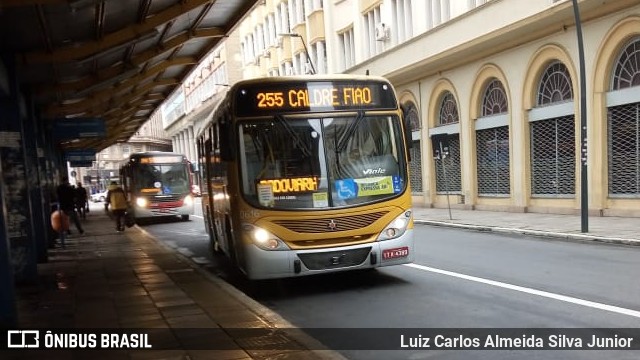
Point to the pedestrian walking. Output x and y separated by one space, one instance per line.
67 203
117 199
81 200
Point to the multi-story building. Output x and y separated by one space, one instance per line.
150 137
188 107
495 85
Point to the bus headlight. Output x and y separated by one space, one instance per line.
188 200
396 227
141 202
263 238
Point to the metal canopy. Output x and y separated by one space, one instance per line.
112 59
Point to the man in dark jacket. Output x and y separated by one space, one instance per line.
67 201
81 200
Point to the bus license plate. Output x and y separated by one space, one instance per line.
395 253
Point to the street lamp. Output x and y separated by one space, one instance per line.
584 195
306 51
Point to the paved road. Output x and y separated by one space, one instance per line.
460 279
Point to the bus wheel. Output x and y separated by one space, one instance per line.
185 217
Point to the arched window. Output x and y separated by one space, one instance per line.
448 171
448 110
552 136
412 117
415 166
492 141
495 99
623 126
555 85
627 70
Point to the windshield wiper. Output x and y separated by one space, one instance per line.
296 139
342 143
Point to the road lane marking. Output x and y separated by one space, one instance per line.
546 294
198 216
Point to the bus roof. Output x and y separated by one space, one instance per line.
149 154
310 78
155 153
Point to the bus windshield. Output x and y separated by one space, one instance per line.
162 179
311 163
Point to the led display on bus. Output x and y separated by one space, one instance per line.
258 99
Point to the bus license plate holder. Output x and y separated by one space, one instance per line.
395 253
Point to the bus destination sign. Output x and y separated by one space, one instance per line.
267 99
161 159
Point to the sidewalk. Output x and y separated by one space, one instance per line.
616 230
107 280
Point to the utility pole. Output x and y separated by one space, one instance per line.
584 185
306 51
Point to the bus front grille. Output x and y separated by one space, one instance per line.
334 259
338 223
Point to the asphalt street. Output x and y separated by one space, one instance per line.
460 279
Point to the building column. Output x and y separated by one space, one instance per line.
38 202
8 312
320 49
182 143
174 143
187 144
15 146
192 145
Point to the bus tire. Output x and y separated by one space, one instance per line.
185 217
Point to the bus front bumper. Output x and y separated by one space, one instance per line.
264 264
146 212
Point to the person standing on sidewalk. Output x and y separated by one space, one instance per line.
67 202
118 202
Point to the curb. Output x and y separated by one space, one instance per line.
538 233
312 345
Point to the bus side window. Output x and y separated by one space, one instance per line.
226 135
216 157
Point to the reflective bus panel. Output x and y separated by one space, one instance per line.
303 176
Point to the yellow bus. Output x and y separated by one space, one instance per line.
307 175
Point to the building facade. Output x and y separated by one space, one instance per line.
186 110
106 167
490 87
